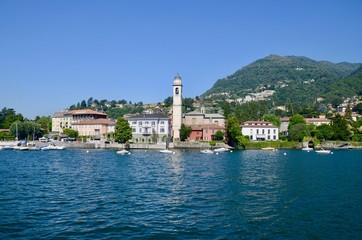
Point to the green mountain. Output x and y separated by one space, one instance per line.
298 80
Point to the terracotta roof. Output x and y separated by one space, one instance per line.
204 126
101 121
317 120
148 116
257 123
85 111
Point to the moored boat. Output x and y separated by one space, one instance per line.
323 151
207 151
166 151
222 149
269 149
307 149
123 152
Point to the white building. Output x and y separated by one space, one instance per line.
149 128
260 131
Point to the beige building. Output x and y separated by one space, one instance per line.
198 118
65 119
96 128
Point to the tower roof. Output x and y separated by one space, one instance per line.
177 81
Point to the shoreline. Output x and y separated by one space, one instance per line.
179 145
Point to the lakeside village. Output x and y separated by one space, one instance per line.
87 128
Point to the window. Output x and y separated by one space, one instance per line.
251 137
268 131
263 131
269 137
274 137
140 124
162 122
274 131
257 131
134 123
153 123
162 130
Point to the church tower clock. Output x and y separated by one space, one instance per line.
177 107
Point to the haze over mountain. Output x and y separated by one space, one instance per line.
295 79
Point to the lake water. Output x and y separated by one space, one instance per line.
75 194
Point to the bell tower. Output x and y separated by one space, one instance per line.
177 107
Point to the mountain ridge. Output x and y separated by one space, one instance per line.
289 76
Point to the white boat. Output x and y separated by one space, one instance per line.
269 149
222 149
8 148
307 149
166 151
52 147
23 148
34 148
123 152
323 151
207 151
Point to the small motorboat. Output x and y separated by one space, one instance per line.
123 152
23 148
323 151
308 149
222 149
207 151
269 149
166 151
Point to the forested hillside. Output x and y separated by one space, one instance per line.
295 79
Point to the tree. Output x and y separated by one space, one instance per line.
23 130
71 133
154 136
45 123
233 131
348 114
273 119
340 128
123 131
226 108
185 132
358 108
90 102
324 132
188 104
298 131
83 104
219 135
296 119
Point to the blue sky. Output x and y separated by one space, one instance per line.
56 53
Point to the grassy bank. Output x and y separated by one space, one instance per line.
274 144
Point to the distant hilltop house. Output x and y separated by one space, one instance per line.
204 125
86 121
149 128
260 130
